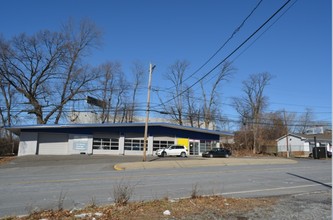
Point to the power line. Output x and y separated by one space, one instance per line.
263 120
264 31
273 103
234 51
223 45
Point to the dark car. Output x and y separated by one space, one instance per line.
217 152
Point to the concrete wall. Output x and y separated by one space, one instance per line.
78 144
67 144
294 144
28 143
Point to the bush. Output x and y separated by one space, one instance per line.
122 192
8 147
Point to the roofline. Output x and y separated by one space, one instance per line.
301 137
17 129
290 134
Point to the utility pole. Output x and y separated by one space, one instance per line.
151 68
287 133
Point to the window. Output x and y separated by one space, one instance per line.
106 144
133 144
206 145
158 144
114 144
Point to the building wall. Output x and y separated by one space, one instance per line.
296 147
294 144
52 144
78 144
32 143
28 143
67 141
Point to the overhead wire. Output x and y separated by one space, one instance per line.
232 53
252 45
223 45
241 53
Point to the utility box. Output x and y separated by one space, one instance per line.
319 152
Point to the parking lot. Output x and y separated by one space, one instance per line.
38 181
107 162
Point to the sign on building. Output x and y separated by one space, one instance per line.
96 102
315 130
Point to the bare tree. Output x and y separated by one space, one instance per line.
7 93
210 99
120 106
112 88
252 104
273 127
138 72
305 121
8 96
106 85
176 75
288 120
46 68
193 109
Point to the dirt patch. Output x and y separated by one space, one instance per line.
194 208
7 159
315 205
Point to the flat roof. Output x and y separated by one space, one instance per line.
47 127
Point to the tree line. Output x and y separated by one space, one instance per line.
46 73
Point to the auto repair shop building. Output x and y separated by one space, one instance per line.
113 139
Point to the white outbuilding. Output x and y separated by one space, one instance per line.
303 144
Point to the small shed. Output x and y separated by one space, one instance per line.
302 144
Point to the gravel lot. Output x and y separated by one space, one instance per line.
317 205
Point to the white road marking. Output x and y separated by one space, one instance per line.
273 189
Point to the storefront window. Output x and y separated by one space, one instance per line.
206 145
157 144
133 144
105 143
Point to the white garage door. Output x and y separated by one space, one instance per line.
53 144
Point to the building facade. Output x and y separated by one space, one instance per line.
113 139
303 144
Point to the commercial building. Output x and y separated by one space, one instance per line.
113 139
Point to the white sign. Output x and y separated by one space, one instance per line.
315 130
80 143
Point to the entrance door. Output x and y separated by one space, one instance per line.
194 148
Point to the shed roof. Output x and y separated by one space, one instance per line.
310 137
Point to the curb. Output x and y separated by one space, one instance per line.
200 163
117 167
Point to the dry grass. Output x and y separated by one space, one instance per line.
191 208
6 159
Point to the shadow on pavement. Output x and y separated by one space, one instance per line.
311 180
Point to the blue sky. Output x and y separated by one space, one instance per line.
295 47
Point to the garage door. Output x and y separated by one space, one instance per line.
52 144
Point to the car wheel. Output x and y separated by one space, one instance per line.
227 155
183 154
211 155
164 154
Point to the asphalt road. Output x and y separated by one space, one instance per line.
35 183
